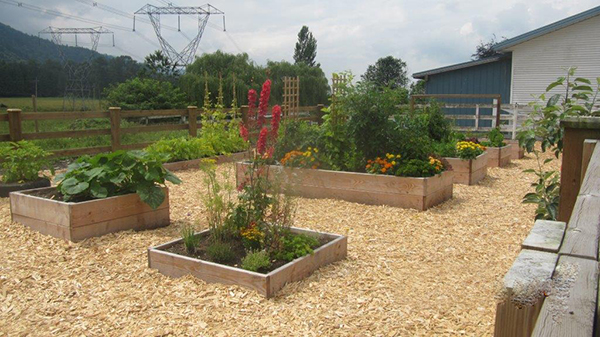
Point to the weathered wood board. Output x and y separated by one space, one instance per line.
545 236
583 229
499 156
469 172
371 189
530 269
517 152
569 309
195 163
76 221
175 265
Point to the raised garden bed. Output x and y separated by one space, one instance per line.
469 172
76 221
517 151
499 156
195 163
372 189
267 284
5 189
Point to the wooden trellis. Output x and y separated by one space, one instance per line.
291 96
337 83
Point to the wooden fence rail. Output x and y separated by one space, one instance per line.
188 121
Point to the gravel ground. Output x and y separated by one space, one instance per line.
408 273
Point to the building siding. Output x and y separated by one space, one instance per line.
539 62
489 78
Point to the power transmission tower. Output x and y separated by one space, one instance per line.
77 86
186 56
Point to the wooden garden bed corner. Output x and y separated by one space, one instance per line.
469 172
499 156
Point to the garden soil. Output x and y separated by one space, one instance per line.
408 273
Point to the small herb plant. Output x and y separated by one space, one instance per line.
190 240
110 174
23 161
496 138
256 260
183 148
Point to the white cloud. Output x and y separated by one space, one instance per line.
466 29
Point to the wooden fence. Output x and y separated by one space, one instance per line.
188 120
559 261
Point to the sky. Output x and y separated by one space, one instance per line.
350 34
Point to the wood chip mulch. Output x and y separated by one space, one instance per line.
408 273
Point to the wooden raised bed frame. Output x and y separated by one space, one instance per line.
195 163
371 189
469 172
499 156
76 221
175 265
517 151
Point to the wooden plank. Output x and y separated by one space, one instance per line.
80 151
14 124
140 221
101 210
530 266
3 117
67 134
469 172
590 185
151 113
115 129
545 236
192 119
43 226
499 156
195 163
586 156
581 236
154 128
4 138
570 307
65 115
51 211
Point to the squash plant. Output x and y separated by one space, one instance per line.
23 161
116 173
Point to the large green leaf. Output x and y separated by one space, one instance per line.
98 191
73 186
151 194
172 178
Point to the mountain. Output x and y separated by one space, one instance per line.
17 46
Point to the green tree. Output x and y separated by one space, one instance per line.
387 72
145 94
157 65
486 49
306 48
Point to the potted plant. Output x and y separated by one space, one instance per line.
22 165
250 240
98 195
469 162
499 152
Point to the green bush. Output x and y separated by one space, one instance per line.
438 125
256 260
183 148
109 174
220 252
295 135
410 137
496 138
295 246
22 161
145 94
417 168
445 149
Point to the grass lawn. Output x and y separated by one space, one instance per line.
44 104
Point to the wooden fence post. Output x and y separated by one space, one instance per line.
244 111
34 102
495 114
192 118
476 117
14 124
115 128
320 113
588 149
515 121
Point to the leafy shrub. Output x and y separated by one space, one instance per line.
220 252
469 150
438 125
256 260
496 138
445 149
183 148
22 161
109 174
145 94
294 135
546 193
420 168
295 246
190 240
410 137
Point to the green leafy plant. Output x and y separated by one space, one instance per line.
220 252
183 148
109 174
219 202
547 190
445 149
190 239
256 260
295 246
496 138
23 161
420 168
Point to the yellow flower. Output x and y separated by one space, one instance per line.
394 162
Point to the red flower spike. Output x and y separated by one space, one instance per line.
261 144
251 102
243 132
263 105
276 118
